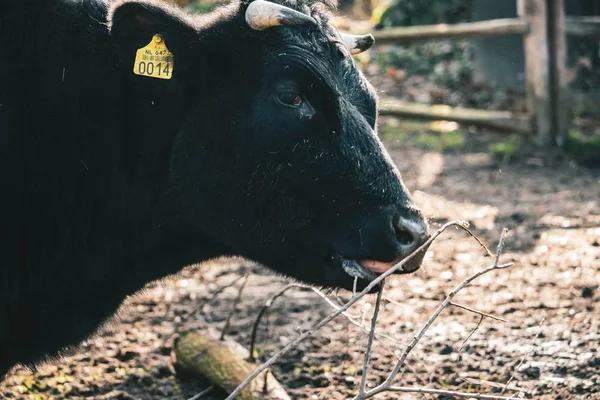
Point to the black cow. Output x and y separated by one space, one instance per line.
261 144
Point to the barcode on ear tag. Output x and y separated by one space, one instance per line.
154 60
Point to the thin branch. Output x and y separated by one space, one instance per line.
342 309
470 334
501 245
437 312
387 383
495 385
378 335
466 229
352 319
200 307
448 393
264 308
213 295
233 308
477 312
512 376
363 379
202 393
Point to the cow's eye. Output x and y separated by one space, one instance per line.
291 99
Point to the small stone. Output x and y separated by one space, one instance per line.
561 370
117 395
146 380
587 292
126 354
531 372
595 362
447 275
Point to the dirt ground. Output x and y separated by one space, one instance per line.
548 348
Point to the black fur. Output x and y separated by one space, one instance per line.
111 180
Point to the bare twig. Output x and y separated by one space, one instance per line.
213 295
264 308
342 309
202 393
233 308
352 319
495 385
387 383
477 312
512 376
501 245
200 307
466 229
448 393
437 312
378 335
470 334
363 379
452 303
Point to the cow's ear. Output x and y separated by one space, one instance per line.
133 24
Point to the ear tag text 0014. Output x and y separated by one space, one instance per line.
154 60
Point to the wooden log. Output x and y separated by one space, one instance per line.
537 69
560 97
224 363
499 120
468 30
587 27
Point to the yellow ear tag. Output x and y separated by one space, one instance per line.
154 60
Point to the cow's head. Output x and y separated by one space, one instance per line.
277 156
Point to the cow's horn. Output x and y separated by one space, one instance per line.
357 43
262 14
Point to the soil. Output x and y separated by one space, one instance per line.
547 349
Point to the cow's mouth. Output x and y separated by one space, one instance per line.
356 270
369 270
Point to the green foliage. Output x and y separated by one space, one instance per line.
585 150
424 12
204 7
441 141
421 134
506 149
448 62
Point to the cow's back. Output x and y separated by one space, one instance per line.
48 161
17 41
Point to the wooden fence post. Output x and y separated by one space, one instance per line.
538 68
362 9
560 87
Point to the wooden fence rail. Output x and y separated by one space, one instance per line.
469 30
586 27
544 27
498 120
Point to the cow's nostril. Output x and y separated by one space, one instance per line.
404 236
410 233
